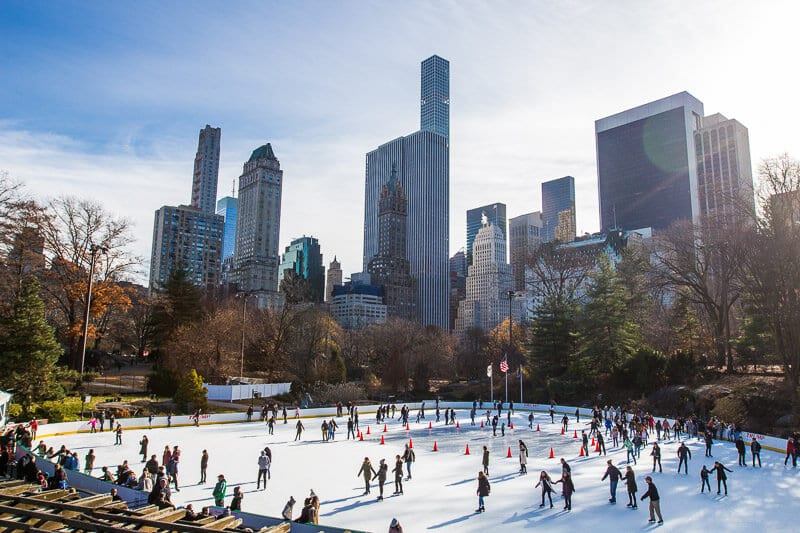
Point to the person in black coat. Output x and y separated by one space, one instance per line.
684 454
740 449
655 501
722 477
630 482
704 480
755 451
547 487
484 488
656 453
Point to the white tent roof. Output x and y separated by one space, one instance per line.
4 397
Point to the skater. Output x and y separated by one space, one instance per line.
790 452
655 502
630 482
383 468
547 487
601 444
585 443
118 432
613 474
398 475
567 488
722 477
236 502
684 454
367 472
263 466
288 508
408 458
484 488
740 450
219 491
565 423
332 427
486 460
203 467
656 453
271 425
523 458
704 480
324 429
552 415
143 447
300 429
172 470
755 451
88 462
149 421
350 430
709 441
530 420
629 450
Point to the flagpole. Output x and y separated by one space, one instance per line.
520 384
491 389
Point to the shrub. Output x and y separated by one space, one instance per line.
330 394
14 411
53 411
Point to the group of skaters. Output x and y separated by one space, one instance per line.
368 472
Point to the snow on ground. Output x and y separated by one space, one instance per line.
442 494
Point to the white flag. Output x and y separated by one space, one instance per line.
489 371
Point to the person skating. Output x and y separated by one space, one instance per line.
383 468
219 491
630 482
300 429
547 487
655 501
395 527
485 460
172 470
704 480
118 433
585 443
484 488
288 508
530 420
613 474
408 458
271 425
88 462
722 477
755 451
790 452
656 453
236 502
740 450
523 458
601 444
143 447
684 454
709 441
263 465
567 488
398 475
203 467
565 423
367 472
630 452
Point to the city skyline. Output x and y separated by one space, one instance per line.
110 111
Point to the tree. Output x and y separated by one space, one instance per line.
191 392
29 350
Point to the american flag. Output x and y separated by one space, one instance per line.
504 364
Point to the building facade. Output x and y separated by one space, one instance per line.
646 172
724 170
558 210
435 96
495 213
226 208
206 170
334 278
525 237
302 260
356 305
458 284
188 238
258 224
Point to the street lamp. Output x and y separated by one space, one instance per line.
93 251
511 295
244 296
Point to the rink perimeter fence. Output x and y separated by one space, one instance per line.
230 393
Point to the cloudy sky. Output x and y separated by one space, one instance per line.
104 100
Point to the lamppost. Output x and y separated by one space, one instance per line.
244 296
511 295
93 251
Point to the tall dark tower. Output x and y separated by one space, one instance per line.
389 267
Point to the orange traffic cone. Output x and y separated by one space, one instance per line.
562 430
384 428
592 441
434 447
458 426
537 427
382 442
511 425
582 454
360 436
430 425
552 455
509 452
466 452
367 430
410 443
597 448
574 435
408 428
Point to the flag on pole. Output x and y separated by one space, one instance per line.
489 371
504 364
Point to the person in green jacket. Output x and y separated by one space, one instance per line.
219 491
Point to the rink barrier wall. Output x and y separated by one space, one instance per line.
768 442
229 393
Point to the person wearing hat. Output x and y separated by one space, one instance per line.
613 474
368 472
381 475
395 526
219 491
655 501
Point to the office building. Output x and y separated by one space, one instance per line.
302 262
458 284
206 170
724 171
646 170
389 268
525 237
495 213
435 96
258 224
188 238
422 161
334 278
558 210
226 208
357 305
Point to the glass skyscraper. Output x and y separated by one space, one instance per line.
558 210
303 259
435 96
227 207
496 213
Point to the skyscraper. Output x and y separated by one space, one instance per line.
258 223
525 236
646 170
435 96
724 171
334 278
558 209
422 162
302 260
226 207
496 213
206 170
389 268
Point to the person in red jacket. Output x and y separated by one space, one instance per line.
790 452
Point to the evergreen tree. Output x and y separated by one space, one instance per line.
29 350
191 392
552 344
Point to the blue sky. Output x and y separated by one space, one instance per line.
105 99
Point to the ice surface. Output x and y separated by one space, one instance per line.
442 494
